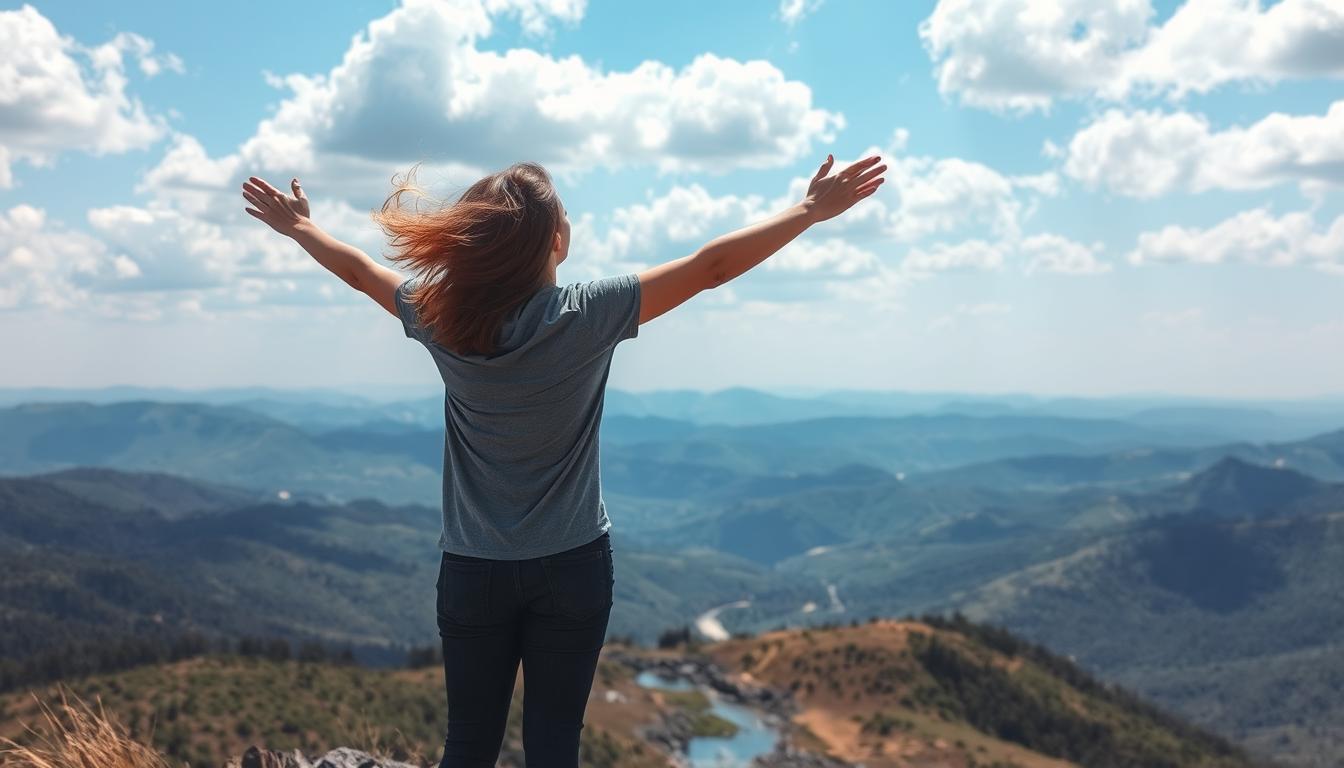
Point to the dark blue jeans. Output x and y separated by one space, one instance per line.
548 612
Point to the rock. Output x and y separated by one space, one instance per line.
344 757
341 757
256 757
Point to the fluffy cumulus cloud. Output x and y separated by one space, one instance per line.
679 221
171 251
932 215
1147 154
965 255
926 196
470 110
1054 253
43 263
832 257
1020 55
1046 252
1017 54
415 86
671 224
58 95
1255 237
146 264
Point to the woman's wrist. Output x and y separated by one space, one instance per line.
304 228
809 209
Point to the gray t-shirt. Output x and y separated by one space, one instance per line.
520 450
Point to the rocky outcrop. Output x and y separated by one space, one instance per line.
341 757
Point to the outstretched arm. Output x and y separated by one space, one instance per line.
289 216
670 284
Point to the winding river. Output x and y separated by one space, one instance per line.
753 736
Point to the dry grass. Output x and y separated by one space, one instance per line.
386 743
75 736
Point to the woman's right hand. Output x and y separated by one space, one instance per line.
830 196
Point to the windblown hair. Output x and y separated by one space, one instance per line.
477 258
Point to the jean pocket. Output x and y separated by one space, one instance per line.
464 591
581 582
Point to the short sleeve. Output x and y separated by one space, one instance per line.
610 308
406 311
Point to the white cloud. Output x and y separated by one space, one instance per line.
853 255
45 264
415 86
946 194
925 196
1053 253
188 179
832 256
793 11
1046 252
880 291
1020 55
672 224
1207 43
966 255
535 16
153 263
171 251
1255 237
142 48
684 218
57 95
1146 154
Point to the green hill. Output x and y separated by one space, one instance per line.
885 693
1212 611
104 555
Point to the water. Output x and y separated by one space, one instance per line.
753 736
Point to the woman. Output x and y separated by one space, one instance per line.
526 572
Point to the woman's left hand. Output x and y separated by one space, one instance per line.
281 212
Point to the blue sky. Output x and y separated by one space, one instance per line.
1084 198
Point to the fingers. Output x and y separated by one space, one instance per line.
858 166
257 198
824 169
868 175
265 187
298 190
869 188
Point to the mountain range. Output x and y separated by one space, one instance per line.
1203 573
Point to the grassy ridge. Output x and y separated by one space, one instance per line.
965 694
879 693
207 709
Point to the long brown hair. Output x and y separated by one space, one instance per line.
477 258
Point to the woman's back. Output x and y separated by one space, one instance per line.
520 461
